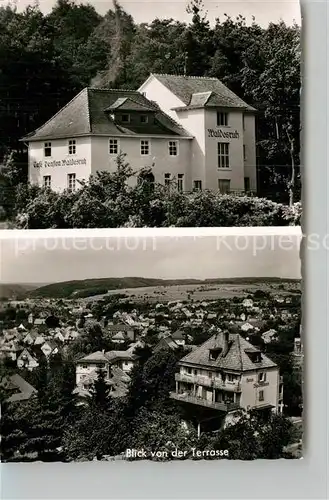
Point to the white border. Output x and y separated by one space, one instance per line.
170 232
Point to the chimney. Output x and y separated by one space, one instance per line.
225 343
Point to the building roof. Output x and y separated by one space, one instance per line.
33 334
51 343
195 91
107 357
178 335
236 358
114 355
130 104
98 356
119 336
135 345
88 113
120 328
165 343
25 354
16 382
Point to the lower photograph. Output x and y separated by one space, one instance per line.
141 346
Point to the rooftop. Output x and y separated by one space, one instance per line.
236 358
16 382
89 113
201 91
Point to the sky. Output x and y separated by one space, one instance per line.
53 260
264 11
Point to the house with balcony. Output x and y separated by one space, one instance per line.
117 382
227 373
102 360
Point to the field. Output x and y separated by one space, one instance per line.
170 289
202 292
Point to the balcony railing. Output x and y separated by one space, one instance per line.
187 398
208 382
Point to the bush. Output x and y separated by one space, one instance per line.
108 201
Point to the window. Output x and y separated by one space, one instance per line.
261 396
244 153
125 118
213 355
262 377
247 184
243 123
144 119
101 365
167 179
223 155
72 147
210 374
197 185
47 181
113 146
47 149
222 119
84 366
224 186
230 377
71 182
145 148
173 148
195 372
189 370
180 183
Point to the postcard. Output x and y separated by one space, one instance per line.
183 114
132 347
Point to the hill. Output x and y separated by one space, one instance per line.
11 291
91 287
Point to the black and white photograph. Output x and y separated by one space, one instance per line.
134 348
149 114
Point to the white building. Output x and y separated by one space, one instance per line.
227 373
190 129
223 151
102 360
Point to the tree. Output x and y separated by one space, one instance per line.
198 45
255 436
151 382
108 201
271 78
101 391
156 431
72 27
52 321
157 48
117 33
33 430
29 69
